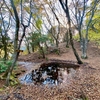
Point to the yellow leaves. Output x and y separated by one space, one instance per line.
97 15
0 21
39 23
49 1
13 80
46 1
41 9
1 89
16 2
1 77
27 9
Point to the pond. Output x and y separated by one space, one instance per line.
50 73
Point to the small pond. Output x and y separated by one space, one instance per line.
51 73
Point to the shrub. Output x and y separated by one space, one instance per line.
4 65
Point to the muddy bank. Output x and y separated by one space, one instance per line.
52 72
29 66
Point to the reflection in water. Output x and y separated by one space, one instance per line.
51 74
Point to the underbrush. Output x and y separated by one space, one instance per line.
4 65
95 37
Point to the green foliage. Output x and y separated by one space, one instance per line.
43 38
4 65
16 2
51 39
27 9
77 38
94 28
38 38
2 89
39 24
1 45
13 80
92 36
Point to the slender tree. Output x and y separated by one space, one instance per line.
5 24
66 10
85 39
80 9
16 44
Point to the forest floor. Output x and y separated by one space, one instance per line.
86 83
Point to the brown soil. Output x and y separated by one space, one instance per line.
85 84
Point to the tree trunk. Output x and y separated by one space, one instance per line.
84 43
15 59
57 42
32 46
74 50
15 56
67 38
27 45
28 48
16 45
70 33
9 72
41 50
5 50
84 48
5 46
